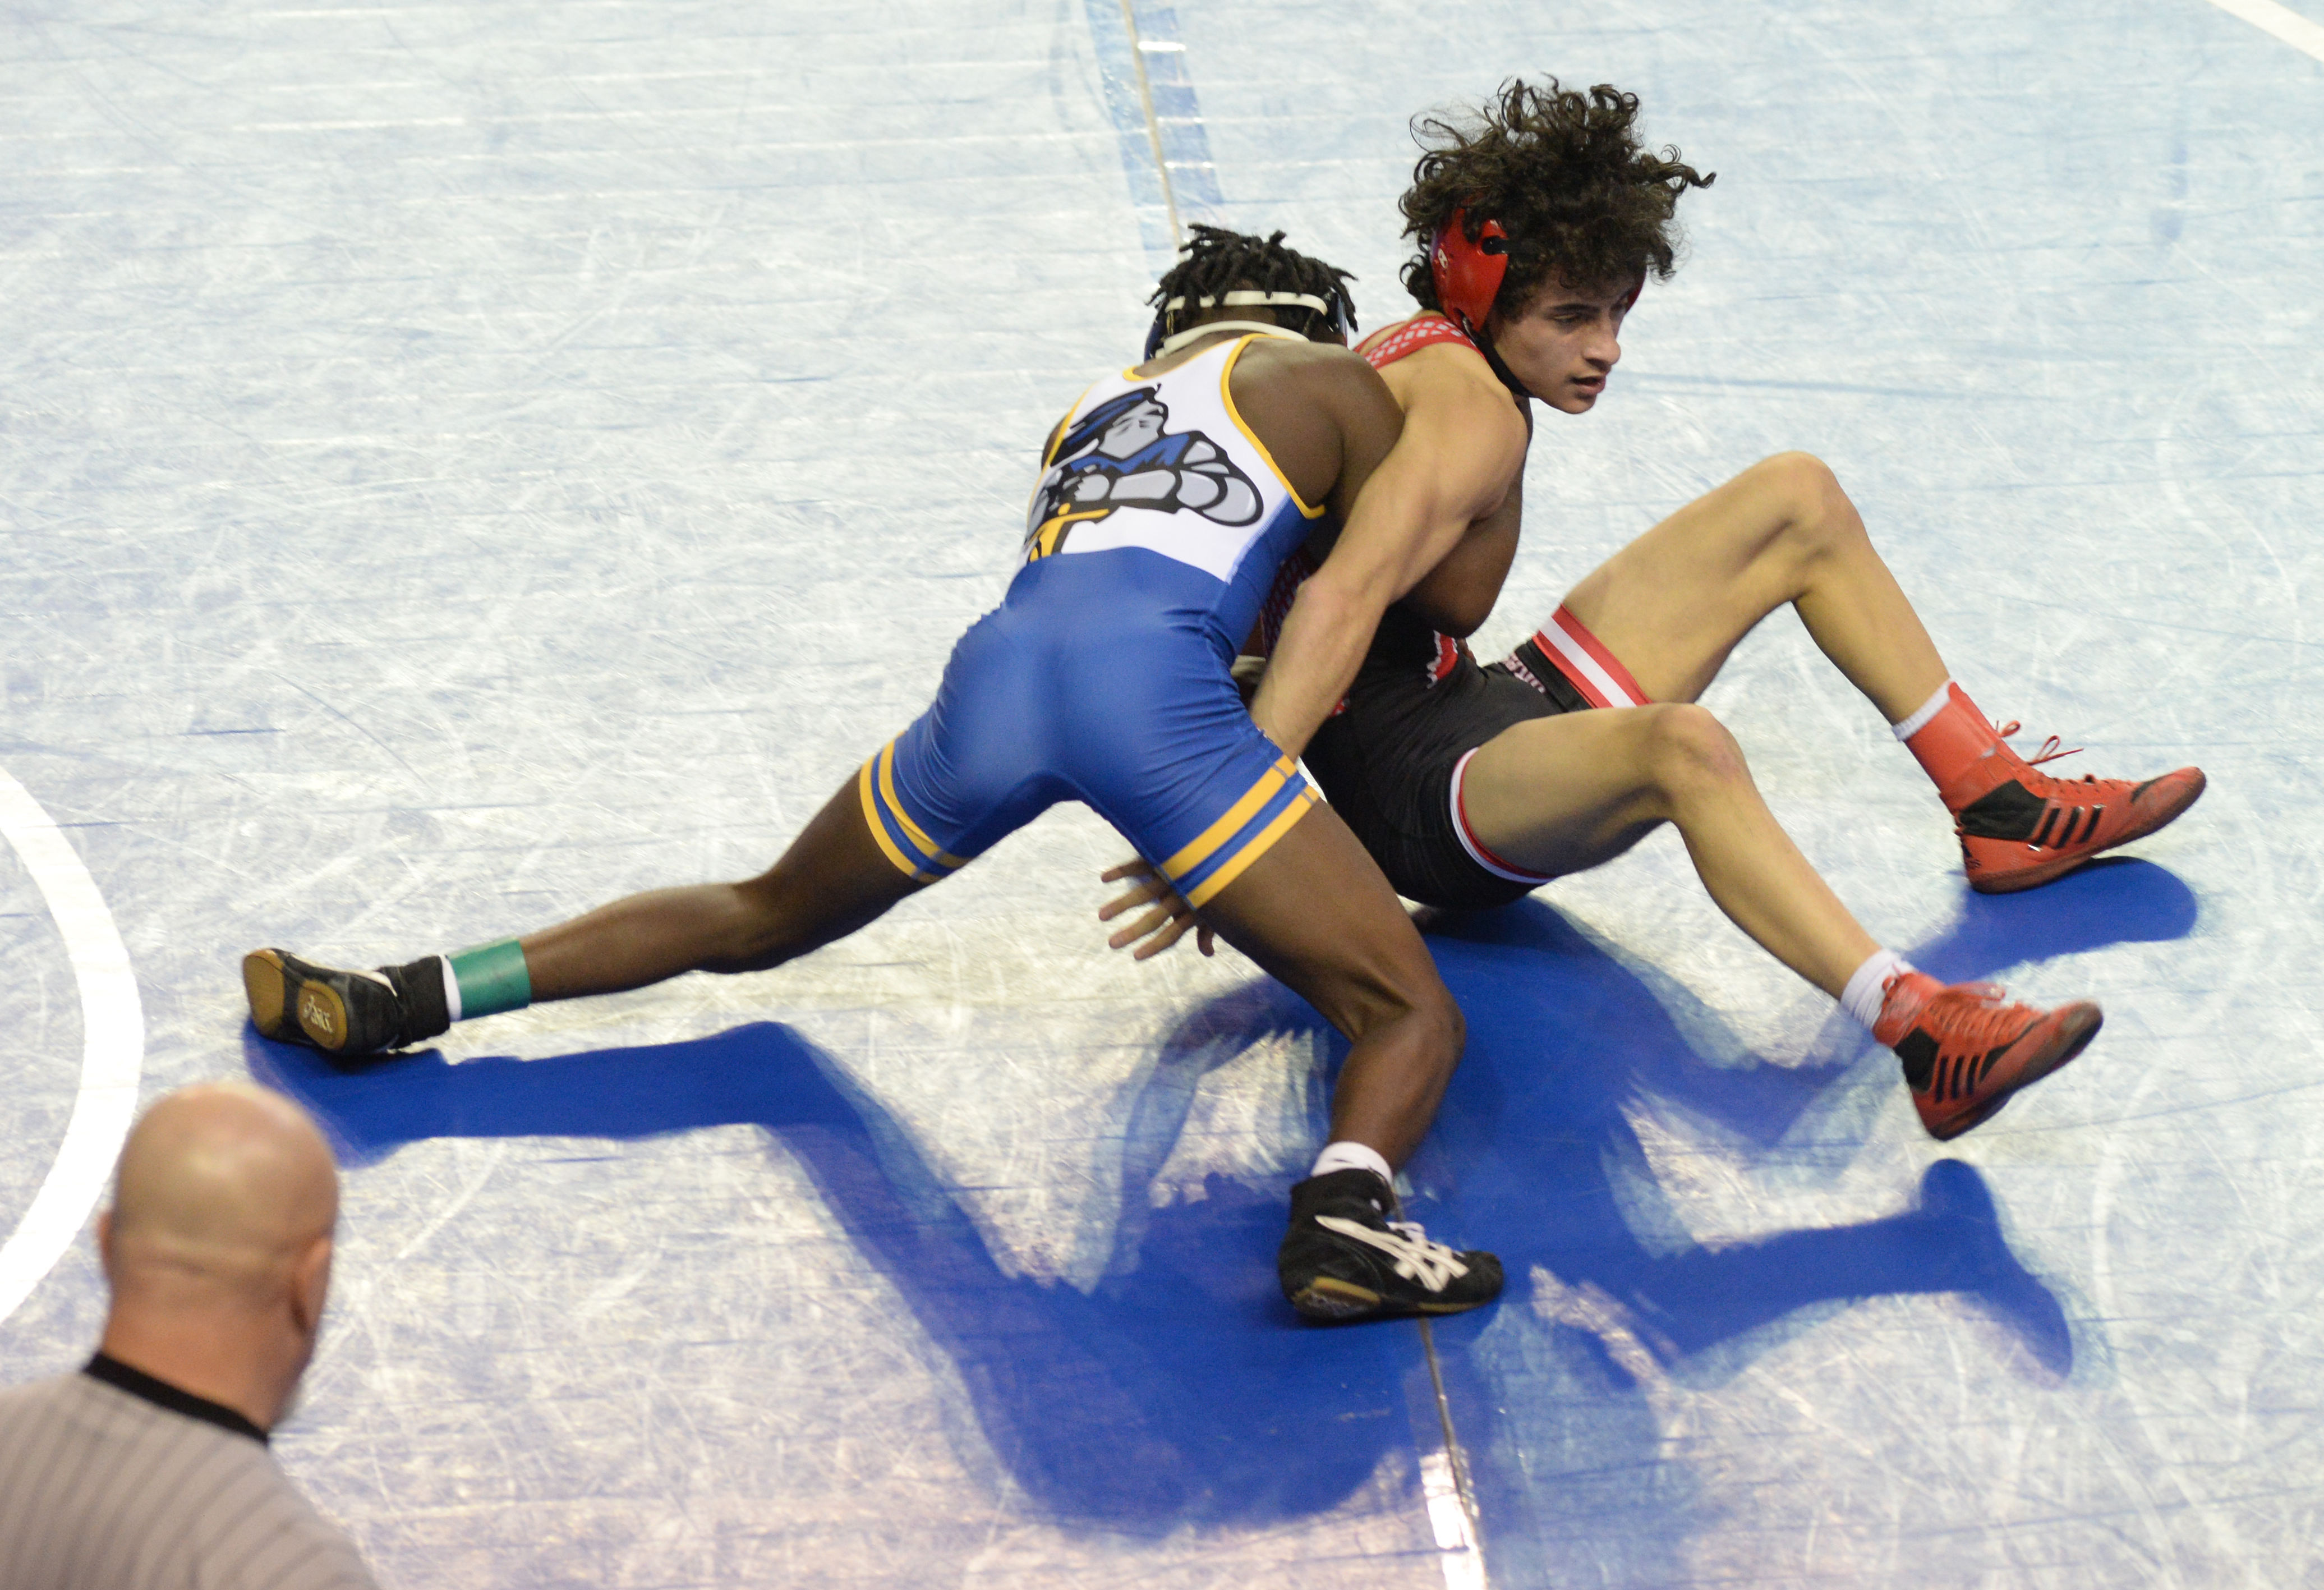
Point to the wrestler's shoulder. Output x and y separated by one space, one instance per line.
1425 341
1454 387
1315 369
1298 354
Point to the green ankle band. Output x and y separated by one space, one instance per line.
491 978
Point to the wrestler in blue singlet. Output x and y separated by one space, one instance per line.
1152 539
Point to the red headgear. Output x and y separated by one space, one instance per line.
1468 275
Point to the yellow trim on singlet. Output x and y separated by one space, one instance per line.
1260 844
1226 396
1065 425
1198 850
1045 539
912 830
1057 440
904 863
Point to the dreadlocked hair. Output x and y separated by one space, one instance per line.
1215 261
1565 176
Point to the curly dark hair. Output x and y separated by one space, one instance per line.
1566 177
1216 261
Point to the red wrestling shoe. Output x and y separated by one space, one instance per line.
1966 1052
2019 828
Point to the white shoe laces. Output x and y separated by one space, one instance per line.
1431 1263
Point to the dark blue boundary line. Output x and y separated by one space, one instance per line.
1166 152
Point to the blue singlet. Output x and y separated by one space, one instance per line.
1152 539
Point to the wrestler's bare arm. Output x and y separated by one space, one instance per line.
1455 597
1410 514
1409 517
1477 464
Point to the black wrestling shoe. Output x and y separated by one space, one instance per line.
1344 1260
344 1012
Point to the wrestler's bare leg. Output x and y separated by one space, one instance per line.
1361 964
832 880
1315 912
1562 794
1673 604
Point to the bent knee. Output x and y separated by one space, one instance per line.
1448 1028
1797 475
1685 747
1417 996
1442 1031
1814 506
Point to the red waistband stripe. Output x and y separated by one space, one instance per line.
1592 669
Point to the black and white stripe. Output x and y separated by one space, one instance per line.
102 1484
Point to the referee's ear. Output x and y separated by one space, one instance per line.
310 1286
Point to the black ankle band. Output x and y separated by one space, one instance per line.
426 1014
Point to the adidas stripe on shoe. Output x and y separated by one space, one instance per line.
2019 828
1967 1052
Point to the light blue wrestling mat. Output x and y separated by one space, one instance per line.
465 462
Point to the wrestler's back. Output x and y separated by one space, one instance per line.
1159 512
1155 530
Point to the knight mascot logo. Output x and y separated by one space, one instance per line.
1119 456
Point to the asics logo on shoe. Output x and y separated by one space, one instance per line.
1431 1264
315 1013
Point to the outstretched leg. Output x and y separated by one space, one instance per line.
1561 794
832 880
1673 604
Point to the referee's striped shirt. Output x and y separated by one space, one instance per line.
112 1480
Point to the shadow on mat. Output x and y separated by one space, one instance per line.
1538 1157
1536 1146
1182 1392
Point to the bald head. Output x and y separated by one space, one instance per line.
218 1246
222 1183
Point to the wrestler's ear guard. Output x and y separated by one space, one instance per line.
1468 275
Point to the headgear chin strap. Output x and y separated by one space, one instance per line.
1341 322
1467 274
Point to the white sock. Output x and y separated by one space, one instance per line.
1869 983
1927 710
1352 1156
451 986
